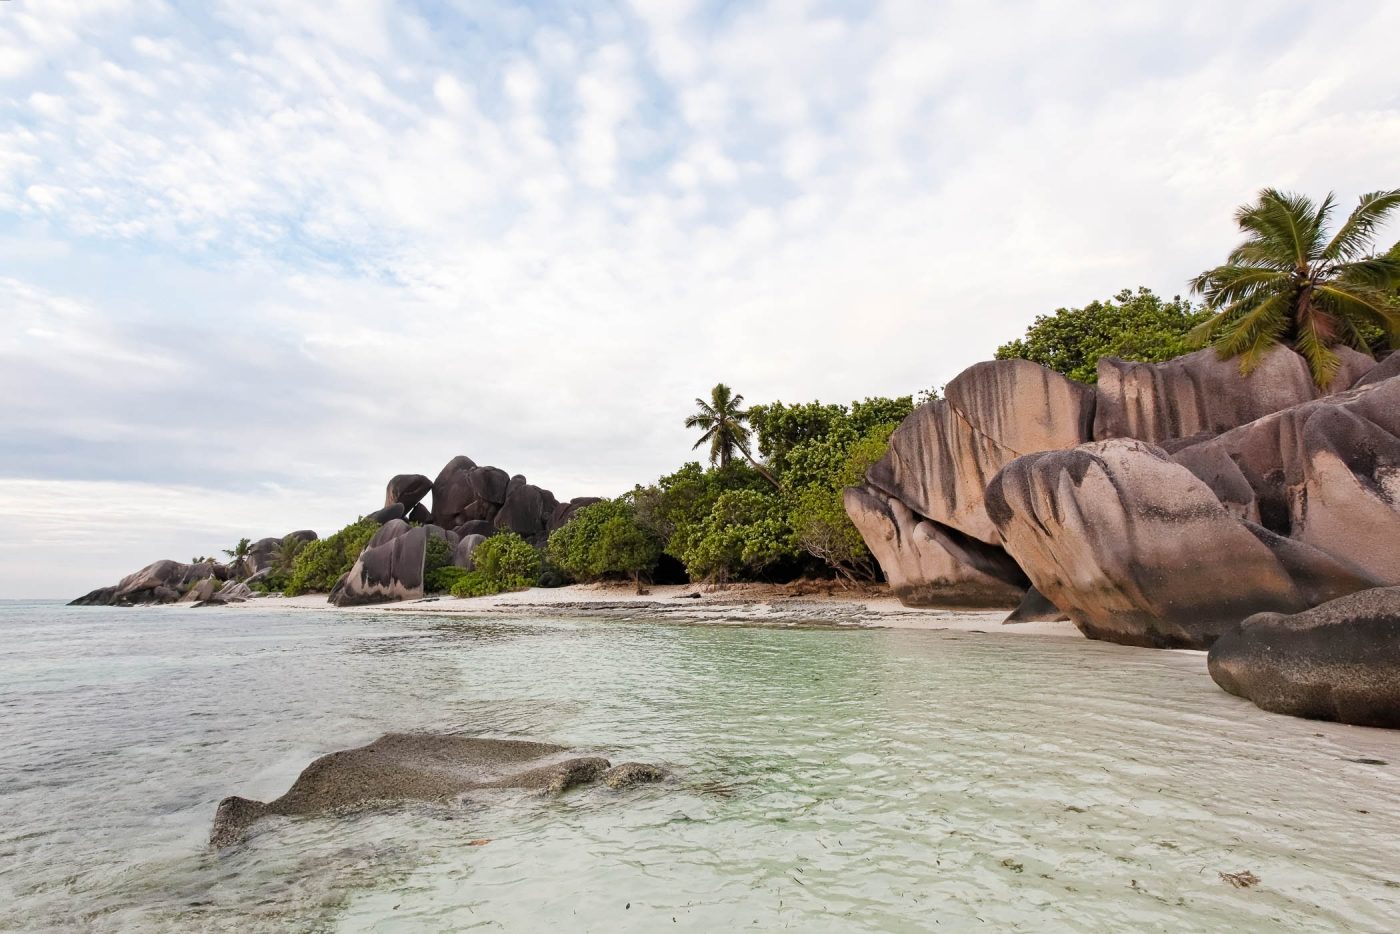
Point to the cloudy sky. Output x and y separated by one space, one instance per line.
257 256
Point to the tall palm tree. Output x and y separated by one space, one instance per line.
1288 283
722 419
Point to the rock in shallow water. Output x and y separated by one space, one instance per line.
1338 661
428 767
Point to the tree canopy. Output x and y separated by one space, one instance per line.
1290 282
1132 325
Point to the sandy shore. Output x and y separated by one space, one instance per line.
743 604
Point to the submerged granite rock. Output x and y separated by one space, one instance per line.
401 767
1338 661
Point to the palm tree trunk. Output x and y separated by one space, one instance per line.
767 474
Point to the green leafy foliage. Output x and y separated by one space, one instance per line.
437 554
1289 282
744 531
317 566
606 539
1131 325
508 561
443 579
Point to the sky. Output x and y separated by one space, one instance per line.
256 257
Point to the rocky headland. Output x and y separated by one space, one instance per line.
1164 507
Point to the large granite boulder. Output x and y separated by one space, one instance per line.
1202 394
1386 369
923 565
400 767
159 582
390 568
1324 473
462 555
388 513
483 527
453 492
408 489
1133 547
566 511
263 552
1338 661
524 511
489 484
942 456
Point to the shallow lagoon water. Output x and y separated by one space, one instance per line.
877 780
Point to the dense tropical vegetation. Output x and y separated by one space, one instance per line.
1132 325
1289 282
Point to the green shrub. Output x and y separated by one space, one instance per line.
443 579
437 555
504 562
475 584
605 539
321 563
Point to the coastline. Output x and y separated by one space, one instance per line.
734 604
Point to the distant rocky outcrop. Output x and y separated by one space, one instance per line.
1338 661
1160 507
425 767
469 502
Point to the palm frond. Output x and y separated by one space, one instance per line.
1314 346
1353 239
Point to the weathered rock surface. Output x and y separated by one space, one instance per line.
159 582
922 570
524 512
1325 473
943 456
390 568
452 492
1035 607
1133 547
408 489
401 767
1201 393
633 773
1338 661
263 552
388 513
466 548
1386 369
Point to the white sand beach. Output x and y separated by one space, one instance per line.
744 604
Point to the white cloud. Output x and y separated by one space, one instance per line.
324 244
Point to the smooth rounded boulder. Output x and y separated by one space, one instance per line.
921 568
1338 661
428 767
407 488
1134 548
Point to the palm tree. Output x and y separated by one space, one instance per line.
722 419
1288 283
238 552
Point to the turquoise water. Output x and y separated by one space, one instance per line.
828 781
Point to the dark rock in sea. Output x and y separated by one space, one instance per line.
160 582
1133 547
388 514
931 566
402 767
1338 661
390 568
408 489
633 773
